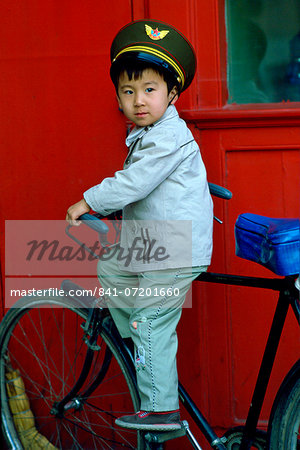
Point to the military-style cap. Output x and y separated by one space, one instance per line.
157 43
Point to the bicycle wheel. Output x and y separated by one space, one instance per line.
43 340
284 423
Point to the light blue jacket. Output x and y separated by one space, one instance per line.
164 195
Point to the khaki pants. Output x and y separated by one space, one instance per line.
147 306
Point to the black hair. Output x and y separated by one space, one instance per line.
135 68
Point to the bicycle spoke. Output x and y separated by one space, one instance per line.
99 437
41 364
46 345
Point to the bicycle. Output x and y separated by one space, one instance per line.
81 376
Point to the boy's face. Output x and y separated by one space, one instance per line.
146 99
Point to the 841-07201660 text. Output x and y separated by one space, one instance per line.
139 291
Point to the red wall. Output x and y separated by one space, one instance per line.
61 132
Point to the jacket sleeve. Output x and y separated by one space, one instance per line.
152 162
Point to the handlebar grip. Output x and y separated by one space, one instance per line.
219 191
94 223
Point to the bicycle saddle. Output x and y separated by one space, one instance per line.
273 243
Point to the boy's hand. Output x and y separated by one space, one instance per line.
77 210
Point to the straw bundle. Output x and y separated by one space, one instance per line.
22 415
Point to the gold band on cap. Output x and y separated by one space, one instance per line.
154 52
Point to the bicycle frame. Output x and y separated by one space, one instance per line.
287 296
95 322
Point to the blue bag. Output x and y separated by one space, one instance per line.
273 243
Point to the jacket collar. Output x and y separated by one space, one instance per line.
138 132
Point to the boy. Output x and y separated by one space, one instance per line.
167 212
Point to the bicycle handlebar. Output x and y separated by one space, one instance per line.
219 191
94 223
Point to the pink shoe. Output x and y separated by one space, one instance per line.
143 420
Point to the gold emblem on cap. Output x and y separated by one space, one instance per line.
155 34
